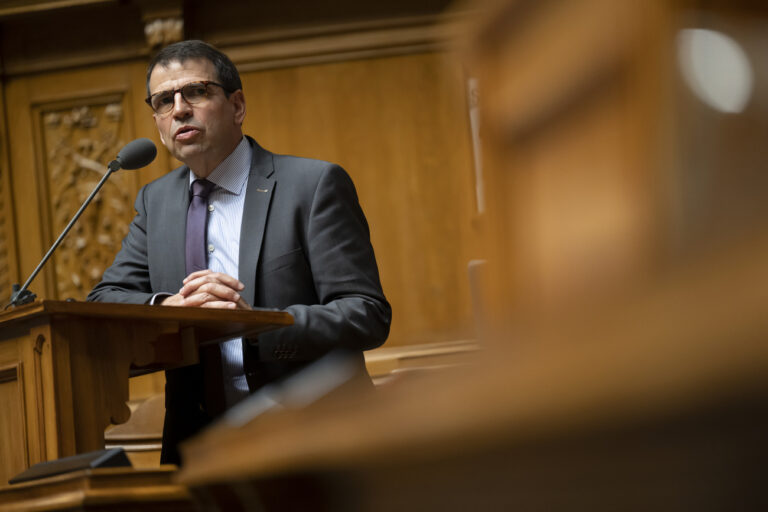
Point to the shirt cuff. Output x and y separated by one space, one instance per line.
157 298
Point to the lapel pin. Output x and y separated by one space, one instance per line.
262 189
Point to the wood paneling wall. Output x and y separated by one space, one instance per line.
8 264
399 126
66 126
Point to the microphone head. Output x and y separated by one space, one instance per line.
137 154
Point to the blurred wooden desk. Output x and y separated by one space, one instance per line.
652 401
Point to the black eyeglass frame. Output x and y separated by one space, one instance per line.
173 92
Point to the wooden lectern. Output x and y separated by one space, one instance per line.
64 368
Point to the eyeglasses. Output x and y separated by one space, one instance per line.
194 92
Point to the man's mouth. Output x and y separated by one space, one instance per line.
186 132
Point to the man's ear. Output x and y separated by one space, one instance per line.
237 99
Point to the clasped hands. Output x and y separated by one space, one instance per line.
208 289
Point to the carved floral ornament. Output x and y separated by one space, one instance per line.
79 141
162 32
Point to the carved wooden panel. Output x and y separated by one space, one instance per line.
78 141
13 443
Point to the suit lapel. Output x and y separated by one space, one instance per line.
258 196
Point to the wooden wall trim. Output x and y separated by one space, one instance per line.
285 47
20 68
12 7
329 29
340 42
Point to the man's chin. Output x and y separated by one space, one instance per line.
186 152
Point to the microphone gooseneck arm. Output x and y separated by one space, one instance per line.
134 155
22 296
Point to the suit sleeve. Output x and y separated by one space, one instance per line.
352 311
127 279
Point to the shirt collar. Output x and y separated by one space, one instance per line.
232 173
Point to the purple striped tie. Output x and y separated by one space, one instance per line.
197 216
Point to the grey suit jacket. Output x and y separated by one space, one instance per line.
304 248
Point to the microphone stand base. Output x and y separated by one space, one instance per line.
19 298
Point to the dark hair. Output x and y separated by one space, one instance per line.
195 49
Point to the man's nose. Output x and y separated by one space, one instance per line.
180 106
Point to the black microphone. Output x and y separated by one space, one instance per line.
134 155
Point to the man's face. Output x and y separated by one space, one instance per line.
203 134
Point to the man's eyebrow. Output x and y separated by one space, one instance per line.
195 81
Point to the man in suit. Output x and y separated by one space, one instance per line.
277 231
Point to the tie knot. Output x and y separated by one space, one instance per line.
202 188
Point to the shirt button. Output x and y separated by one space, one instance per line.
210 248
210 208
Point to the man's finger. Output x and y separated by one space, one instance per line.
219 304
197 274
230 281
241 304
215 290
198 299
221 291
173 300
198 282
